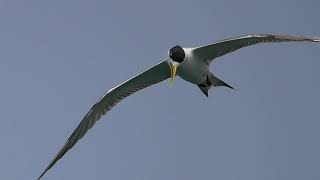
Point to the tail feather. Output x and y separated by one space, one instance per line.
204 90
216 82
212 81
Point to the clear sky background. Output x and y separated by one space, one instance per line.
59 57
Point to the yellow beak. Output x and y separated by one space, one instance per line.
173 68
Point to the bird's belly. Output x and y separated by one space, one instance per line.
195 73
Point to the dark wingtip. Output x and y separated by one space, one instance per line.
48 167
41 175
44 172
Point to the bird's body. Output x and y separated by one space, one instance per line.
191 64
193 69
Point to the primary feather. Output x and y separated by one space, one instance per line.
150 77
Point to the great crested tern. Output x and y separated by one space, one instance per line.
191 64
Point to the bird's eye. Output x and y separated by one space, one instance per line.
177 54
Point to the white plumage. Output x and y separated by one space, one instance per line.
192 64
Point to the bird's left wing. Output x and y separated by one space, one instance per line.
212 51
151 76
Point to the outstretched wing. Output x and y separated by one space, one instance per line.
212 51
152 76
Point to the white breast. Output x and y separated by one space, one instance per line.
193 69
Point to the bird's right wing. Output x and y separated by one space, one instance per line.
212 51
147 78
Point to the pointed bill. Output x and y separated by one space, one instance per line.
173 68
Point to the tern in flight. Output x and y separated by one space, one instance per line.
191 64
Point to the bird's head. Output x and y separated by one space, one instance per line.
177 55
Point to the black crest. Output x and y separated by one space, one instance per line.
177 54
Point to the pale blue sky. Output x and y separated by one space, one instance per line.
59 57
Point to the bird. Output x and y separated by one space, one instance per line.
191 64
